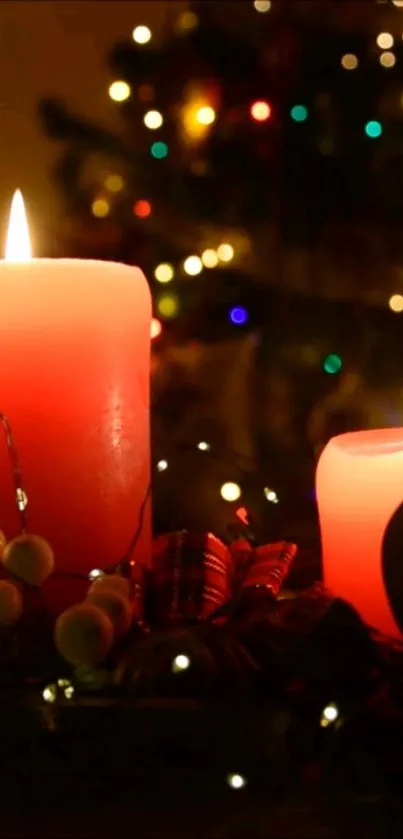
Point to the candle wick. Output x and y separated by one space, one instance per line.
21 498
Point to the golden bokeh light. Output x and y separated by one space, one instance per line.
225 252
230 491
396 303
114 183
119 91
206 115
142 35
385 40
349 61
193 265
164 273
168 305
100 208
209 258
387 59
153 120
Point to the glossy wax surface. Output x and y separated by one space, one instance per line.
74 384
359 485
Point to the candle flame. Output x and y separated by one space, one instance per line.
18 245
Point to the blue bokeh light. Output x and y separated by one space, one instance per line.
238 315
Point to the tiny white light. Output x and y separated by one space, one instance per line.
225 252
180 662
69 692
270 495
193 265
22 498
262 5
153 120
236 781
49 694
95 573
142 34
230 491
162 465
203 446
329 714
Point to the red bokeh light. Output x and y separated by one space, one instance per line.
156 328
142 209
260 111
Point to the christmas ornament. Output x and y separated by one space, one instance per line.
10 603
84 634
111 582
116 607
30 558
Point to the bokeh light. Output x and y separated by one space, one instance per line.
156 328
142 209
168 306
262 5
332 364
299 113
230 491
349 61
159 150
236 781
270 495
187 22
373 129
398 3
164 273
225 252
260 111
387 59
162 465
142 35
193 265
238 315
153 120
100 208
385 40
209 258
119 91
203 446
396 303
114 183
205 115
180 662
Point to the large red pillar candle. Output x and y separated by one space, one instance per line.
359 485
74 385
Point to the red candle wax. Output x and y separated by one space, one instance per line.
359 487
74 385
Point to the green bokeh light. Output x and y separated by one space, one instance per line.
373 129
299 113
159 150
332 364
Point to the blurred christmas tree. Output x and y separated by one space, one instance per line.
260 152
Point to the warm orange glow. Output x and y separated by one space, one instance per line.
359 487
260 111
18 245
